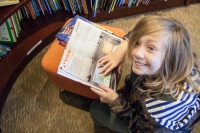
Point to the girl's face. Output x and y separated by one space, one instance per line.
147 55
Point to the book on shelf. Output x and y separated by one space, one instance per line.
86 45
3 50
8 2
7 34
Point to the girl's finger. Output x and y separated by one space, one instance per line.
101 99
106 89
107 70
105 67
102 58
103 62
98 92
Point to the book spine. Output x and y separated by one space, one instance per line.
50 2
41 7
31 10
85 10
64 4
111 6
78 5
35 8
27 15
67 5
15 25
114 5
48 7
59 3
12 30
71 6
95 8
17 20
19 15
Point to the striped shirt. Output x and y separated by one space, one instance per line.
174 115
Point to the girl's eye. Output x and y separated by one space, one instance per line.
151 48
137 43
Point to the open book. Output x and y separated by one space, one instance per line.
86 45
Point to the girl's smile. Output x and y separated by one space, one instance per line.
139 64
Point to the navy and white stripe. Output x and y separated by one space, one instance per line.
174 115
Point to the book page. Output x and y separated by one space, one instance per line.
77 65
100 79
91 41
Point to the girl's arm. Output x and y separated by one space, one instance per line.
118 105
123 110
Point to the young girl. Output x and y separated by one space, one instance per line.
164 97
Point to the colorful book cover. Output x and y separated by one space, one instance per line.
65 32
6 33
12 29
15 25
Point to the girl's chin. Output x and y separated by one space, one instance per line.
138 71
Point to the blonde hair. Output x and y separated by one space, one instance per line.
178 61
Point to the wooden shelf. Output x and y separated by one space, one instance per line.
43 28
194 1
14 62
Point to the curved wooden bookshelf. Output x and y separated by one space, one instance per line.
33 31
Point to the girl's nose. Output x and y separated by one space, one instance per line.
139 52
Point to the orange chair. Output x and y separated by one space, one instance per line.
50 63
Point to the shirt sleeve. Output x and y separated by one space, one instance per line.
123 110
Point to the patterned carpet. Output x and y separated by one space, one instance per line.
34 104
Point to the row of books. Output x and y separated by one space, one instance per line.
109 5
36 7
3 50
10 29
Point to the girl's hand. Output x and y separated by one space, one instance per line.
106 96
114 59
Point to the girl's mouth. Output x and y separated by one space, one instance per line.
140 64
